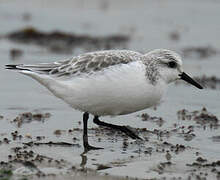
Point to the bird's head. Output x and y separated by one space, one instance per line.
169 66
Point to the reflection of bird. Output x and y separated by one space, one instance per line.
113 82
168 156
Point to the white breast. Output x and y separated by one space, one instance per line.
121 89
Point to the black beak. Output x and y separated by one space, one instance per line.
188 79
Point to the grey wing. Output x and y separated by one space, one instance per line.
93 62
86 63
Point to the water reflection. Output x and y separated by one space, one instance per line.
84 160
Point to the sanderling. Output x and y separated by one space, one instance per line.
113 82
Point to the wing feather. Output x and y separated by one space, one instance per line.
86 63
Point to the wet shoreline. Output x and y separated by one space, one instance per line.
41 137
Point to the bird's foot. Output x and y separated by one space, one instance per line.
88 147
130 133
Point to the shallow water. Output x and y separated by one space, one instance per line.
149 24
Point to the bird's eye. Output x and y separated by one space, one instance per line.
172 64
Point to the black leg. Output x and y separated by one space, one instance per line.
86 145
124 129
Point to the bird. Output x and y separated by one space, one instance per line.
109 83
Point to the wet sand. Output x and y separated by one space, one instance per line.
41 137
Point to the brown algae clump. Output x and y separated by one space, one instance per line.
201 117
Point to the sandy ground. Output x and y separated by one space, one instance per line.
41 137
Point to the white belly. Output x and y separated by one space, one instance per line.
118 90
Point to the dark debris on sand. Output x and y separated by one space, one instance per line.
158 120
201 168
21 156
61 42
50 143
26 153
202 164
202 117
28 117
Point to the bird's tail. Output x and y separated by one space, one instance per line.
16 67
42 68
38 72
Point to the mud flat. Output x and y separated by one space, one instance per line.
41 137
39 157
